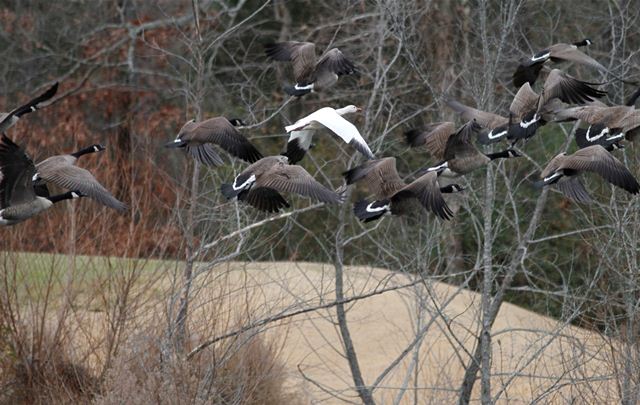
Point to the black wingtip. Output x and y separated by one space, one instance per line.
526 72
353 175
412 137
539 184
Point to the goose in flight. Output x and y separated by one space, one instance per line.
529 110
564 171
299 141
261 183
198 139
311 73
529 69
457 153
620 118
7 120
62 171
392 194
332 119
19 198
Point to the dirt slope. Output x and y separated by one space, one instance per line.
535 358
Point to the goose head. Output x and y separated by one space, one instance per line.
350 109
512 153
584 42
98 148
237 122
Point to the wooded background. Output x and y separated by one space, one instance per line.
132 72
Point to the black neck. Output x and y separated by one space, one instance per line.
87 150
584 42
451 188
61 197
499 155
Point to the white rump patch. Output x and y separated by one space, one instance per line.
527 124
544 56
244 185
491 135
371 208
553 176
597 136
307 87
436 168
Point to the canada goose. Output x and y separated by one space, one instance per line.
383 181
332 119
528 110
599 134
459 155
7 120
311 73
299 141
528 70
625 118
563 171
19 200
62 171
198 139
261 183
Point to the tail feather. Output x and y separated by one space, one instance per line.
228 191
294 152
413 138
357 173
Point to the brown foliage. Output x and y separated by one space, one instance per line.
238 371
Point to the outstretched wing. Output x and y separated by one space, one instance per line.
302 55
485 119
220 131
596 159
427 190
379 175
10 118
77 178
295 179
329 118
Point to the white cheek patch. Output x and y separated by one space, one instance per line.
35 177
244 185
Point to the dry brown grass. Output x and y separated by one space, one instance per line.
66 339
43 374
241 371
